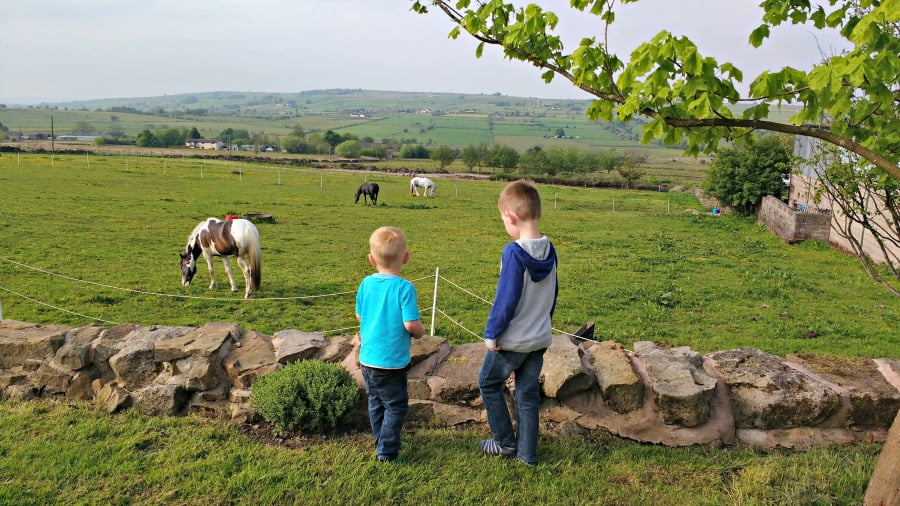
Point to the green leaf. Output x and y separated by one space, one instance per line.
479 49
548 76
758 35
835 18
818 18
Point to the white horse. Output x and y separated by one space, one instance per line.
421 182
214 237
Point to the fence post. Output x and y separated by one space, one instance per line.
1 310
437 275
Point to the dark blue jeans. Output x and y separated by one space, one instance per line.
495 370
388 405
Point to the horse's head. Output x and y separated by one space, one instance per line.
188 268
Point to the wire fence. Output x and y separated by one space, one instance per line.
434 310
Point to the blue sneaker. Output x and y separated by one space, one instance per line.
492 447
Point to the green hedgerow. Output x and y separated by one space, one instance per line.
309 395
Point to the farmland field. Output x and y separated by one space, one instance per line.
96 237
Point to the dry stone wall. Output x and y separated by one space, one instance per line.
655 394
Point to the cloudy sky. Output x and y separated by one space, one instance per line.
56 50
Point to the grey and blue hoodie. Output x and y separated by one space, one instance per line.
526 297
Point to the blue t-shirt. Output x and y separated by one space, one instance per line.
384 302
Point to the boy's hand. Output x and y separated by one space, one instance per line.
492 344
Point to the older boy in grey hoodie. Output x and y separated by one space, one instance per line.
518 327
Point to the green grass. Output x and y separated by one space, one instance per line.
76 454
636 263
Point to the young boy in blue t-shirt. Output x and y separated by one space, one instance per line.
389 316
518 328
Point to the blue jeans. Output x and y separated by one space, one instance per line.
495 370
388 405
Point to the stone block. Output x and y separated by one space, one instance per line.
621 387
874 402
767 394
564 373
683 388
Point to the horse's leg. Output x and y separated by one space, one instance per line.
209 265
228 271
245 268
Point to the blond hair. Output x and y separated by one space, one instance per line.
387 245
522 199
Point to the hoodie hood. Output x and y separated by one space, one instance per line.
538 256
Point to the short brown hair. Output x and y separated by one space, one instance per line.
522 199
387 245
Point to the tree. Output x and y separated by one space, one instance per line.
298 131
116 132
145 138
630 172
195 134
83 128
503 157
348 149
333 138
444 155
535 161
849 100
867 207
227 135
413 151
294 144
560 132
741 176
474 156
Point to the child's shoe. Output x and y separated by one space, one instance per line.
492 447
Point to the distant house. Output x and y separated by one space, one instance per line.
77 137
205 144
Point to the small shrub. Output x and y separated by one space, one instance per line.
309 395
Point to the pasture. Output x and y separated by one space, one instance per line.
97 237
639 264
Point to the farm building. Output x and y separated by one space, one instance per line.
204 144
805 197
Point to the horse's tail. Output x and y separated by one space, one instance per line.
255 260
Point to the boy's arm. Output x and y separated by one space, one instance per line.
509 291
415 328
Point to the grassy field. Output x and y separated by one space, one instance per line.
641 265
637 263
74 454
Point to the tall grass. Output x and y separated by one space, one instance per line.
639 264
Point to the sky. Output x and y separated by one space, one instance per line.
63 50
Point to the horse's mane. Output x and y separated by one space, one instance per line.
192 239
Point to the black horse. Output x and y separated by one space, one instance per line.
370 189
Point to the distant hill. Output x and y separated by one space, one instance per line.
334 101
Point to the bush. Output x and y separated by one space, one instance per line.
309 395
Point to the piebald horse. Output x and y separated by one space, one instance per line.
370 189
421 182
213 237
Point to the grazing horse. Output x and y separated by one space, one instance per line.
421 182
213 237
370 189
